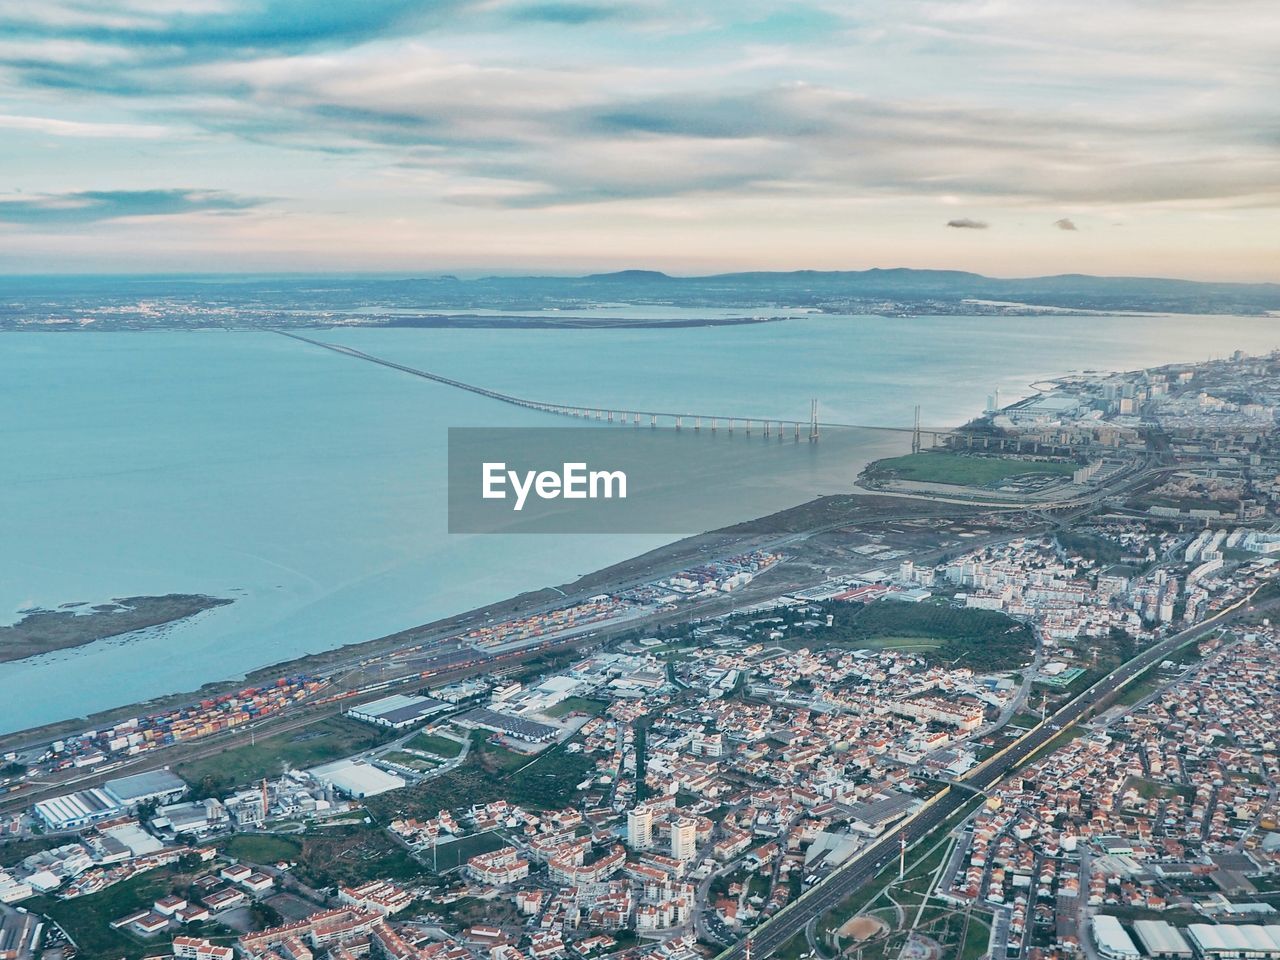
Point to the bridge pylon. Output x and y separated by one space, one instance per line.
813 420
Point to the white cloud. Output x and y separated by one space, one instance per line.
80 128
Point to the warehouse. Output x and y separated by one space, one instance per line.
1245 942
161 785
872 816
1161 940
77 809
85 807
356 779
504 723
397 711
1111 939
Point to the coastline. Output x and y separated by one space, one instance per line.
831 510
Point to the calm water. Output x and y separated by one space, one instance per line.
310 486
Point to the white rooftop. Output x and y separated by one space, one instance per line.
357 779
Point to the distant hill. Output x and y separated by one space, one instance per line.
445 300
625 275
914 288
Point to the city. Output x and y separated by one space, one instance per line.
639 480
1023 707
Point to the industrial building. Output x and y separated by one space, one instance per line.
1236 942
160 785
873 816
85 807
79 809
356 779
505 723
19 933
1161 940
398 711
1112 941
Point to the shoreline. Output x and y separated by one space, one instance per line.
834 509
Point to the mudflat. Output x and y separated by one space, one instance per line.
75 624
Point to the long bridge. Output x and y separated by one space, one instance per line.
809 429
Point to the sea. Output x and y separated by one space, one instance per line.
309 487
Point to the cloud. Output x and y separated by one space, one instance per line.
533 111
1065 224
76 128
510 122
91 206
965 223
565 14
218 28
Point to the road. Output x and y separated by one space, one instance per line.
848 879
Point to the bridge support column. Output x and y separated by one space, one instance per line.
653 420
679 425
697 424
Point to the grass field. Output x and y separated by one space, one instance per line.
434 743
1151 789
317 743
592 708
410 760
975 943
87 920
904 643
353 855
262 848
458 852
982 639
489 773
501 760
962 469
16 850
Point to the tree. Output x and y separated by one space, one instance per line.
264 915
641 731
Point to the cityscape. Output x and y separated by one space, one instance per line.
1015 700
639 480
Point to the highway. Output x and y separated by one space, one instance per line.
848 879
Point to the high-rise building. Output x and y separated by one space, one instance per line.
640 828
684 838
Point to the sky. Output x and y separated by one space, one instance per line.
1013 138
